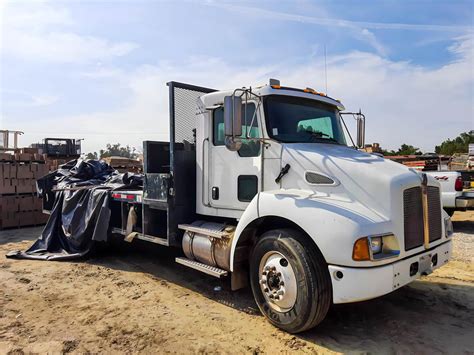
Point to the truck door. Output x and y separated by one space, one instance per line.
234 177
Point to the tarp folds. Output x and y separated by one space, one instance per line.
81 213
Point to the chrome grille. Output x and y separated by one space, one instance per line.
413 218
434 213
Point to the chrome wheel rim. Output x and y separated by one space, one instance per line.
277 281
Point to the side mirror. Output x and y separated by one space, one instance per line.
233 122
360 131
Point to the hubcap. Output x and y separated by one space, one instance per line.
277 281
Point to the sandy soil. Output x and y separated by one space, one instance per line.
137 299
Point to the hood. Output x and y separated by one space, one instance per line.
373 181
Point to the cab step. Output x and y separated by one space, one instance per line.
207 269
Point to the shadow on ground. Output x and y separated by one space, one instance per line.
423 309
425 316
15 235
465 226
463 222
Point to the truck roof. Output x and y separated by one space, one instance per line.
216 98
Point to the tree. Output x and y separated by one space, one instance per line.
114 150
457 145
388 152
405 149
92 156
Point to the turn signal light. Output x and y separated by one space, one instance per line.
276 86
361 250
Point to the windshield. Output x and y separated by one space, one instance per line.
298 120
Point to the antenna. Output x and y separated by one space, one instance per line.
325 69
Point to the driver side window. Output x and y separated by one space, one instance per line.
250 147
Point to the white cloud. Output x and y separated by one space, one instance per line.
358 29
369 36
44 100
39 32
23 98
404 103
464 47
34 16
337 22
63 47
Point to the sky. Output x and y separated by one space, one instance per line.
97 70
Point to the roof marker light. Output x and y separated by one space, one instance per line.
274 82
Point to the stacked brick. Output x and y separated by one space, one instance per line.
123 165
19 202
53 164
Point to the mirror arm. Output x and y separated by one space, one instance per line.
360 118
348 132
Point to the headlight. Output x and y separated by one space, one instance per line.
448 227
375 244
376 247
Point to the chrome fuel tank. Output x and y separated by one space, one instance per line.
209 243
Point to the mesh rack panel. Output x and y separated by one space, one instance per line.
185 114
183 99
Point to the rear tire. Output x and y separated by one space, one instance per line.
290 280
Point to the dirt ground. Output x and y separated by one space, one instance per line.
136 299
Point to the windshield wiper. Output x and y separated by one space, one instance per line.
331 139
322 136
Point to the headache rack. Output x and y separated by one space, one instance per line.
169 189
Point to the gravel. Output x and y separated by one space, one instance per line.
463 246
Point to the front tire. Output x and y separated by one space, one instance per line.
290 280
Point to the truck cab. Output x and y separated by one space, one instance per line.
260 184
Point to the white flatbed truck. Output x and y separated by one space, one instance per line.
259 185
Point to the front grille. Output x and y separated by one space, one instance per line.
434 213
413 216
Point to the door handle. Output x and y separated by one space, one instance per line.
215 193
283 172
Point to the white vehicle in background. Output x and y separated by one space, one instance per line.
452 195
